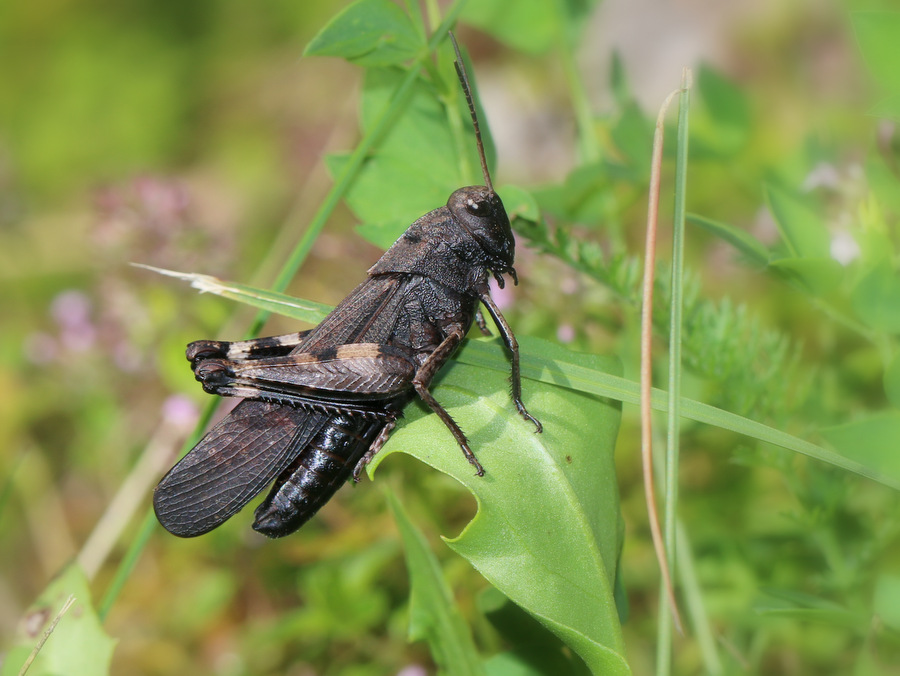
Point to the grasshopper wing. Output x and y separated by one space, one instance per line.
234 461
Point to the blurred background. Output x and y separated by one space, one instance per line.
190 136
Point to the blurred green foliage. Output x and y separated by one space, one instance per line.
190 136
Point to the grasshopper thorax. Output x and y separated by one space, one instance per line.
456 245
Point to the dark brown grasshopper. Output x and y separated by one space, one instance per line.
320 404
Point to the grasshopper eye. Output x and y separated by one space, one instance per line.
474 207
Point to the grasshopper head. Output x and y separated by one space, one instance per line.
480 212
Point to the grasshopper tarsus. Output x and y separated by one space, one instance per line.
520 407
479 470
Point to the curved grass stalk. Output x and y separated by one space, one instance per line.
663 644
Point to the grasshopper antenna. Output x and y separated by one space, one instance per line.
464 81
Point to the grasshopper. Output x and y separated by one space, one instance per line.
318 405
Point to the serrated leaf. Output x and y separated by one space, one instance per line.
78 645
368 33
801 229
432 614
546 532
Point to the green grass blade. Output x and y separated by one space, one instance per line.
433 615
741 240
673 421
268 301
552 364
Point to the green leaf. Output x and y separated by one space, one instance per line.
78 645
741 240
876 299
723 125
520 203
533 648
819 276
587 195
633 136
872 442
369 33
527 25
388 196
417 165
548 506
531 26
533 661
801 228
618 80
878 34
433 616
